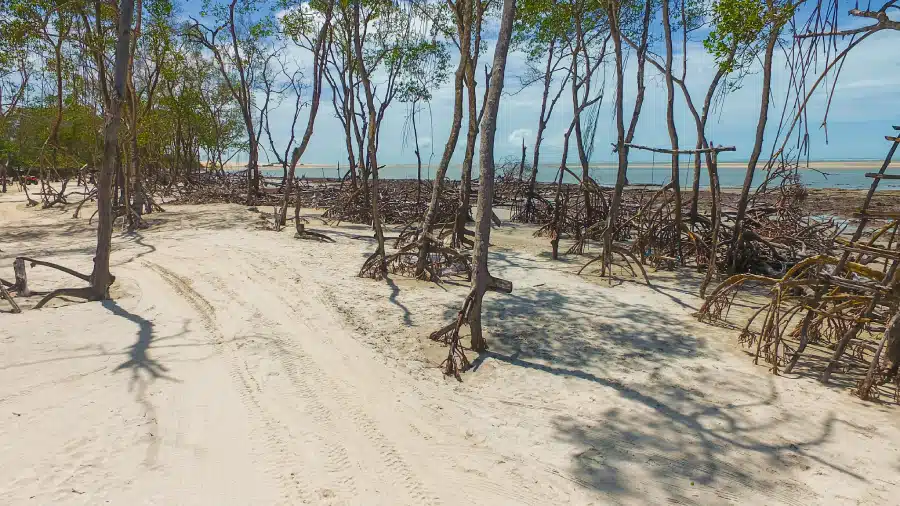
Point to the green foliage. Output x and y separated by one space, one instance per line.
26 130
425 67
739 28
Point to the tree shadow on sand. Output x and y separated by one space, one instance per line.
139 359
674 445
716 436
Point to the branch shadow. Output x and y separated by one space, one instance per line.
139 359
395 291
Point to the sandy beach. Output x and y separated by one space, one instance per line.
242 366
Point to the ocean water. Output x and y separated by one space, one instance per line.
730 175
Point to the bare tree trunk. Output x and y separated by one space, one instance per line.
621 148
579 143
522 162
372 144
673 131
101 277
712 165
546 112
557 203
465 183
319 62
464 20
418 160
757 149
542 125
133 182
482 278
623 138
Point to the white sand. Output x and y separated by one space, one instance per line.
241 366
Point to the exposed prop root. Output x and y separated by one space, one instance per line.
5 294
311 235
442 261
33 262
86 293
456 361
375 267
628 261
302 232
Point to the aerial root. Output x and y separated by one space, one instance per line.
456 361
441 261
5 294
375 267
629 261
313 236
86 293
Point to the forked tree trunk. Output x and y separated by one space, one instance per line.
482 278
546 113
623 138
465 184
101 277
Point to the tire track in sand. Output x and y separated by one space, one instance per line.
276 435
475 487
281 315
338 462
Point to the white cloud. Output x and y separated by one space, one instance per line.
518 135
859 116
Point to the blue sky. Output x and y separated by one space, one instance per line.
862 112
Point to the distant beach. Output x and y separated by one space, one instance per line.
845 174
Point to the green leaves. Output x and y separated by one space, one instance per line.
740 26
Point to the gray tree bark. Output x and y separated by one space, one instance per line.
482 278
101 278
463 17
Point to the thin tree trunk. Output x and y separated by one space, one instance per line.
557 203
546 111
464 204
621 148
522 162
712 165
418 160
482 277
673 131
101 277
372 142
757 149
133 182
464 28
319 53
